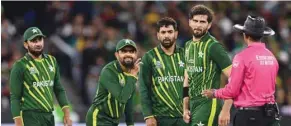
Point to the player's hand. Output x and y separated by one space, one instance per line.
186 116
224 118
151 121
18 122
208 93
134 71
67 121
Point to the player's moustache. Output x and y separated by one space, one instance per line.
166 39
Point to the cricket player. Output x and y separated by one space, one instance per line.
34 79
161 78
205 60
253 78
116 88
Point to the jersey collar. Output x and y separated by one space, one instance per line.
118 67
30 58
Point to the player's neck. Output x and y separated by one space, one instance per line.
195 39
35 57
169 51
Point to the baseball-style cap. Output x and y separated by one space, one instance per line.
31 33
125 42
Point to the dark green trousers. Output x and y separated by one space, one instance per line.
33 118
170 121
95 117
205 111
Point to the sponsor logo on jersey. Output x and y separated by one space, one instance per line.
195 69
44 83
32 70
171 79
158 65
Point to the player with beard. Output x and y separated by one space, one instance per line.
116 87
205 60
161 78
34 79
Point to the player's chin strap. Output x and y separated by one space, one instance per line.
185 92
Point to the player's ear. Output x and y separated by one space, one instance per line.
25 44
116 55
209 25
176 34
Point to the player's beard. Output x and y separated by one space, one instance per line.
198 33
167 42
128 62
34 52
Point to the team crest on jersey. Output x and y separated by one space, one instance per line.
181 64
51 68
200 54
122 82
32 70
158 65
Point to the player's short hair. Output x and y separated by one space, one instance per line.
166 21
202 10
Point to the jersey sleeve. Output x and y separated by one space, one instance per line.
16 88
219 55
145 87
129 118
109 80
59 89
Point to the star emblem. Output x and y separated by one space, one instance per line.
34 30
200 124
158 65
181 64
200 54
127 41
51 68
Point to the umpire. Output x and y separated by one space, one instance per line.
252 79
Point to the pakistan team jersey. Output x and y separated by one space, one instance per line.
205 60
161 83
114 93
33 82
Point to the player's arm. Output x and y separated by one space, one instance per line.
16 88
186 111
219 55
145 87
61 93
109 80
129 111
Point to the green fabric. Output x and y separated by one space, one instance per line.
114 92
205 60
33 83
31 118
100 119
205 111
161 83
31 33
168 121
125 42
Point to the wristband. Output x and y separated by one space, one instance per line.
185 92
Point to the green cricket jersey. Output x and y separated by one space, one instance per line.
205 60
33 83
161 83
114 93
